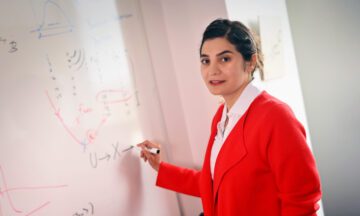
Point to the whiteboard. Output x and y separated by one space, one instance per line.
76 88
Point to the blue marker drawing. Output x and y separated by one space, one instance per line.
95 22
54 21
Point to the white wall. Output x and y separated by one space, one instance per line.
326 37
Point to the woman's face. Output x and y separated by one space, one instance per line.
223 68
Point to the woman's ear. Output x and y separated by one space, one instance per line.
248 67
253 62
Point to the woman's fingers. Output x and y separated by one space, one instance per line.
153 159
148 144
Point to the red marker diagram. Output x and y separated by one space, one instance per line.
83 115
6 198
89 134
113 96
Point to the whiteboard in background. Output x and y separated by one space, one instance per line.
75 89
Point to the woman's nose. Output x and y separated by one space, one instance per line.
214 69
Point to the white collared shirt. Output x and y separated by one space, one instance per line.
234 114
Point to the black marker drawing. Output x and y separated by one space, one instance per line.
95 160
13 47
76 59
86 211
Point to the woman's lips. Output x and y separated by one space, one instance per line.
216 82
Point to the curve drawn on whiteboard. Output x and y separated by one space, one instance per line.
90 134
5 192
107 97
52 26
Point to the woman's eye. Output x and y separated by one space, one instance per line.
225 59
204 61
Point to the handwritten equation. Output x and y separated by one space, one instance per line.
96 158
10 45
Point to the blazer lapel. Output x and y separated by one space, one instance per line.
232 152
206 180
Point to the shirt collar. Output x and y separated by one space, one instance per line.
240 106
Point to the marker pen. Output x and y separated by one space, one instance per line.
151 150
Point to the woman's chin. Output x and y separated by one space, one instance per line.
216 93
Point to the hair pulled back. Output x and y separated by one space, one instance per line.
245 41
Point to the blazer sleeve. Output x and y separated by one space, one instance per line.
293 164
178 179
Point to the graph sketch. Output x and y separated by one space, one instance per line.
91 112
53 20
6 196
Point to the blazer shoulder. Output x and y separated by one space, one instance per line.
266 105
271 114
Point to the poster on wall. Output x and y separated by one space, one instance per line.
271 36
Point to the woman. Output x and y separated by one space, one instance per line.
257 161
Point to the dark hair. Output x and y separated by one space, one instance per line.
245 41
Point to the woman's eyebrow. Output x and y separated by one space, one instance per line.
219 54
224 52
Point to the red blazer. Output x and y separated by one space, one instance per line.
264 168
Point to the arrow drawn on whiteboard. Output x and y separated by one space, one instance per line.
5 191
94 159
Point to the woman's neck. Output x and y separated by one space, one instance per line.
232 98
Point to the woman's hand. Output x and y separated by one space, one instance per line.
154 159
